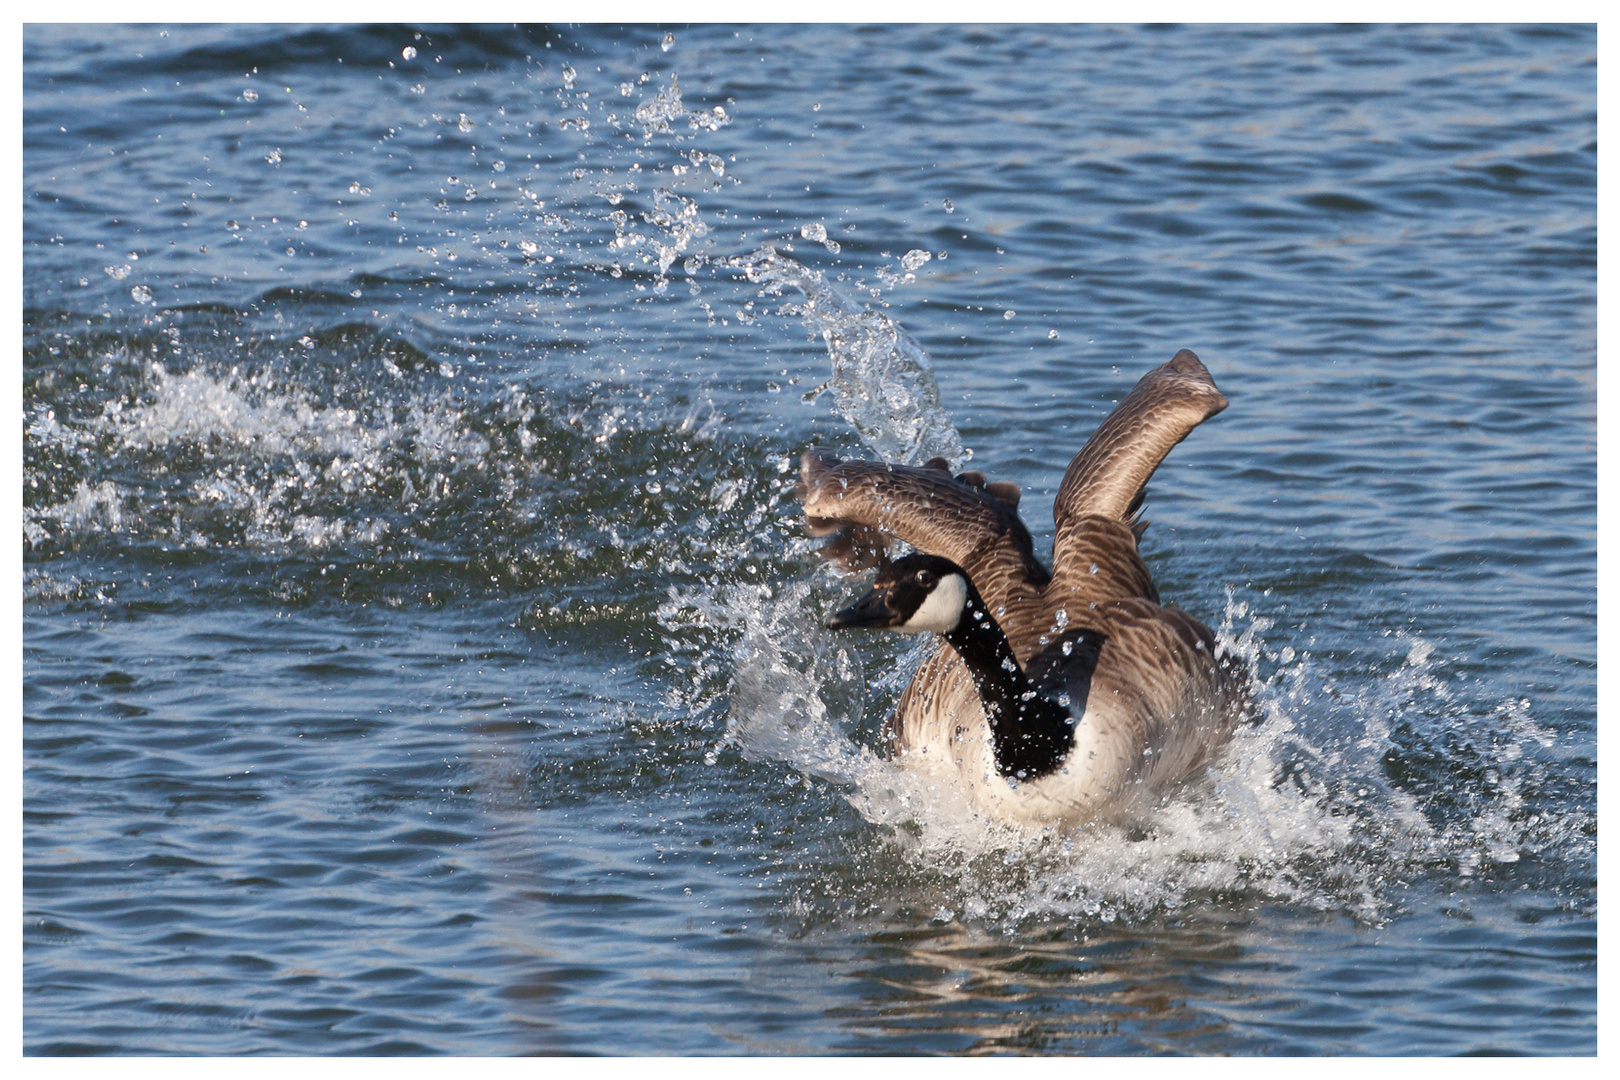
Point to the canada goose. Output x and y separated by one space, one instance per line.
1104 699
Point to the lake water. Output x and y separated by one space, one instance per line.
421 652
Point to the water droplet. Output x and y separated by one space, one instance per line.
274 157
119 273
464 125
250 95
141 294
1009 313
950 207
408 52
914 258
569 75
668 43
1093 568
1052 334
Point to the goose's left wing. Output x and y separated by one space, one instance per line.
964 519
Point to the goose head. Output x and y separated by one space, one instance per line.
917 594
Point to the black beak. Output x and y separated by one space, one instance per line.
870 610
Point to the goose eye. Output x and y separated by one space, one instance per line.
926 579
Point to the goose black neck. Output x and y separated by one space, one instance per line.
1031 735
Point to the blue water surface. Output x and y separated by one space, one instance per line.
422 655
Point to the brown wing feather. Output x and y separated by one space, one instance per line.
867 502
1109 472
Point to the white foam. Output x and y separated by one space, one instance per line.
263 448
90 509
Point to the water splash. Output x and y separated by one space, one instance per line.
666 110
1299 808
882 379
484 491
90 509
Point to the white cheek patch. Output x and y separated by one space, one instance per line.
942 610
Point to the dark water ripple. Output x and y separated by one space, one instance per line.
394 541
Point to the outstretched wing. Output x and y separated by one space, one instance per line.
1107 476
867 502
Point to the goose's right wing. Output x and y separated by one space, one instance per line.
973 524
1108 474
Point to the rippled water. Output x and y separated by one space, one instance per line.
421 653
